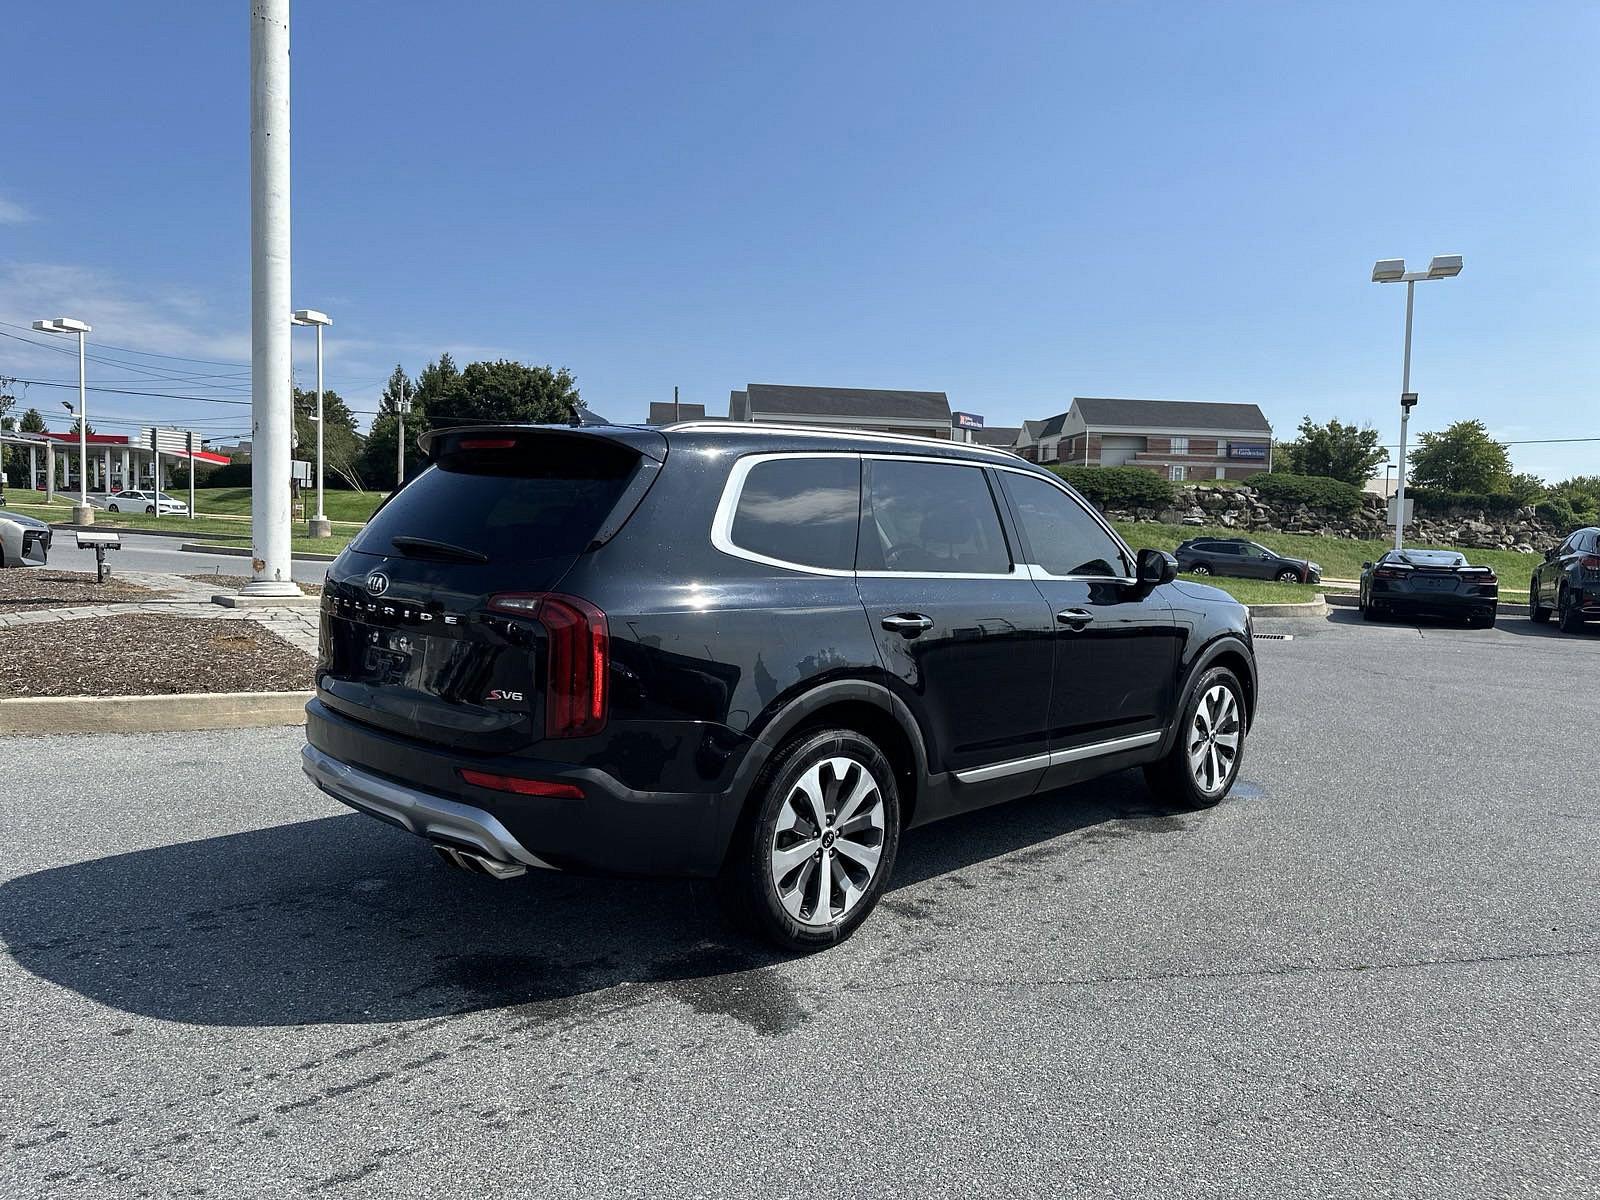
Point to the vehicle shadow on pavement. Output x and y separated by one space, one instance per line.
342 919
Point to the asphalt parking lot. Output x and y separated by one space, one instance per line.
1374 970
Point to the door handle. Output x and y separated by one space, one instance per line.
1075 618
907 625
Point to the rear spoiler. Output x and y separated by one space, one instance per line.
647 443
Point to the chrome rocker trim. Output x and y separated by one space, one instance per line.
459 826
1056 758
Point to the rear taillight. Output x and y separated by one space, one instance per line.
1390 573
522 787
1591 562
579 653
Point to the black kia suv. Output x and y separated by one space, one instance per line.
1243 559
1567 583
752 653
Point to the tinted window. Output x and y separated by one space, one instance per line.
1222 547
533 503
930 517
1062 537
801 510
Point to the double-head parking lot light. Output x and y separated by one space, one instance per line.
1393 270
82 514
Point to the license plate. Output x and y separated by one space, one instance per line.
1435 585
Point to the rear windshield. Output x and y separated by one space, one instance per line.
1430 558
506 507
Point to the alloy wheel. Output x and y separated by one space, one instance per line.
1288 576
1214 737
828 841
1199 569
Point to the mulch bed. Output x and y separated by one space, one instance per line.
233 583
29 589
148 654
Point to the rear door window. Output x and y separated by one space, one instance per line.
800 511
930 518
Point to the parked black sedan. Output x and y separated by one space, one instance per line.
1437 582
1243 559
1567 583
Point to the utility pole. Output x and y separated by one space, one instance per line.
400 437
272 417
677 412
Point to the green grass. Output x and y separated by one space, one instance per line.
349 508
1259 591
1340 558
224 531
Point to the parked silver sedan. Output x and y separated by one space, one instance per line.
24 541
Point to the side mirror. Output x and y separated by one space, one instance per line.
1366 566
1156 567
1550 554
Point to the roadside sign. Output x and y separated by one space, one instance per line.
966 420
1410 509
166 441
301 472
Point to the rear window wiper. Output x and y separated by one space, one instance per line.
421 547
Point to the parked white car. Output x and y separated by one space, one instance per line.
24 541
137 501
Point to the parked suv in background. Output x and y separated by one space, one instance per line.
1567 583
1243 559
752 653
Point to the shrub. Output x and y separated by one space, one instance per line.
1558 513
1435 500
1120 487
1314 491
234 474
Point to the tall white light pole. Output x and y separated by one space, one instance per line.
320 525
272 409
1393 270
82 514
400 406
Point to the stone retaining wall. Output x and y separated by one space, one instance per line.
1243 509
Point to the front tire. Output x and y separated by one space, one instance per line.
1288 576
1204 760
150 510
1537 613
817 846
1199 569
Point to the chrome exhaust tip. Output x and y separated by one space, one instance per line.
478 864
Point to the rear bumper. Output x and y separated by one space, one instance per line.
611 830
1442 603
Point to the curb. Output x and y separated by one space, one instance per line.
244 552
151 714
1311 608
165 533
1511 606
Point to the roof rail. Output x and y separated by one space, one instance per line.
899 439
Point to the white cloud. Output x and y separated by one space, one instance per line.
12 213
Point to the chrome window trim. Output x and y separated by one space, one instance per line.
728 506
1056 758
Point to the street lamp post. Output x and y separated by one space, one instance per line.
82 514
320 525
1393 270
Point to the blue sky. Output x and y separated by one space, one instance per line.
1014 204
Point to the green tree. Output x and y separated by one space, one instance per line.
1581 493
31 422
341 443
1336 451
504 392
1462 458
1525 488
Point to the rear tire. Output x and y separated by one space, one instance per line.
1199 569
807 879
1200 768
113 508
1567 614
150 510
1537 613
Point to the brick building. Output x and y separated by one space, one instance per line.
1178 439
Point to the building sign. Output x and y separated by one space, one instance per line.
1256 453
963 420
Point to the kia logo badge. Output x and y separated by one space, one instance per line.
377 583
